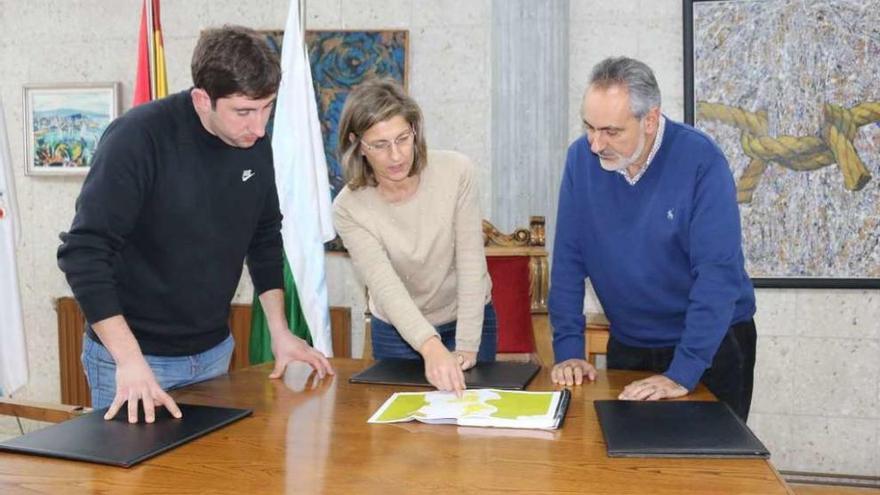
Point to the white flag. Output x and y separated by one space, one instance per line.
303 187
13 351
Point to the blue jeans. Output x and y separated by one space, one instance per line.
171 371
387 342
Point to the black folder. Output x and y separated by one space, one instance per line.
117 442
675 429
499 374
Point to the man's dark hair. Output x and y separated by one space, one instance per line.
235 60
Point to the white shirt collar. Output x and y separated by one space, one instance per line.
657 140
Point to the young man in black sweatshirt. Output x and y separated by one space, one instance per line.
180 192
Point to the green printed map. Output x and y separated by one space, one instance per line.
487 407
404 408
512 405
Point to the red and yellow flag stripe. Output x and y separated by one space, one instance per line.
151 81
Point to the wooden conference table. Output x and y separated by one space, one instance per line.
309 436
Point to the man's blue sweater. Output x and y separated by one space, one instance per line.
664 255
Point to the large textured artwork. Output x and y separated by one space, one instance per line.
341 60
789 90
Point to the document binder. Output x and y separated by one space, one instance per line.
119 443
675 429
499 374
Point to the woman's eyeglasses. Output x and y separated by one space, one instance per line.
402 142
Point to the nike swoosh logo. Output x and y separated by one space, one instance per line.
247 174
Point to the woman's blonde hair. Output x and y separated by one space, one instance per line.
369 103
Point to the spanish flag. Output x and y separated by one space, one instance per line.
151 82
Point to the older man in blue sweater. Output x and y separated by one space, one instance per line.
648 213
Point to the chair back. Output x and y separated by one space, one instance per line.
518 266
597 335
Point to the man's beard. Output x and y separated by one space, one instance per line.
624 162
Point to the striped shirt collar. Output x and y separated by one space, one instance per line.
659 139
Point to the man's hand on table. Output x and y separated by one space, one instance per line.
135 383
572 372
287 347
653 388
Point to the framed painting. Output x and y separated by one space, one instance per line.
340 60
63 123
788 90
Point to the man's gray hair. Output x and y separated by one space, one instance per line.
638 78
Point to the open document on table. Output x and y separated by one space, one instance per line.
480 407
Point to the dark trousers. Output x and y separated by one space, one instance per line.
730 377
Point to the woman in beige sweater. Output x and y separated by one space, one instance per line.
412 225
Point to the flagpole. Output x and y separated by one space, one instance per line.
302 18
151 48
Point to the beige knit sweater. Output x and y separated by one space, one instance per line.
422 259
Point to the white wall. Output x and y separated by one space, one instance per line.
816 400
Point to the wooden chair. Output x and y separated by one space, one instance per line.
597 335
518 262
40 411
525 243
71 324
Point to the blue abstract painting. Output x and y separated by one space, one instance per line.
341 60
